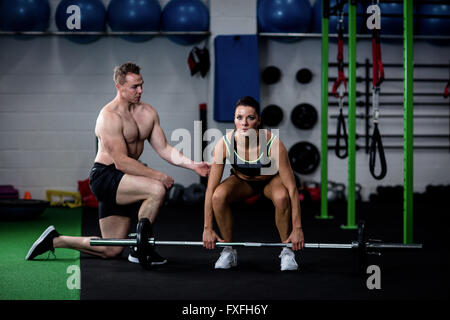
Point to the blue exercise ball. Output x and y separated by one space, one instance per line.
185 15
438 26
316 19
92 19
284 16
391 25
134 16
24 15
333 20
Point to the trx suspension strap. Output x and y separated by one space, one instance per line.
376 144
341 131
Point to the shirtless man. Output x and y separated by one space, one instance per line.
123 186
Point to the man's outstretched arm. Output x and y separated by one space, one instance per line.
170 154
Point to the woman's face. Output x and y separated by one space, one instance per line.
246 118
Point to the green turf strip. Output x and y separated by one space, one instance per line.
45 277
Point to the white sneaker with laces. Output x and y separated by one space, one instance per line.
227 259
288 260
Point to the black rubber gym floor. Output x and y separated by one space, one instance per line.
324 274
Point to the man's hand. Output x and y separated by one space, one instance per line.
166 180
209 238
297 239
202 169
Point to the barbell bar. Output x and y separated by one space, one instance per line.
145 242
374 244
153 242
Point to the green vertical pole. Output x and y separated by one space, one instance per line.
408 127
351 116
324 116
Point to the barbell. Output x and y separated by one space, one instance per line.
145 243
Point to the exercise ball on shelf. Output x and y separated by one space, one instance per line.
92 19
24 15
391 25
134 16
333 19
430 26
316 23
284 16
185 15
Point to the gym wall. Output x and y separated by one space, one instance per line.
430 165
52 89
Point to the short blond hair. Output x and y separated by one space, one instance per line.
121 71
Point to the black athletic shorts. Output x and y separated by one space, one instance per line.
257 186
104 181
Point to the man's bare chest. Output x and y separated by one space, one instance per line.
135 130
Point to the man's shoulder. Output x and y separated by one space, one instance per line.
109 112
109 116
147 108
147 111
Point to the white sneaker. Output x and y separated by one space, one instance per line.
288 260
227 259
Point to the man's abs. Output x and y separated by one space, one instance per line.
134 151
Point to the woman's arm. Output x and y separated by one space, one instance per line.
170 154
215 176
281 157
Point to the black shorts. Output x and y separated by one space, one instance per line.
257 186
104 181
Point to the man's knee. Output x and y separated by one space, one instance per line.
157 191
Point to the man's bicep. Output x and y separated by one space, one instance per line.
157 137
111 137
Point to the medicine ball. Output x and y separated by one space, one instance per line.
24 15
271 75
271 115
194 194
304 116
304 157
175 195
303 75
92 19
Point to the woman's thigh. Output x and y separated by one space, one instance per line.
234 189
275 189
